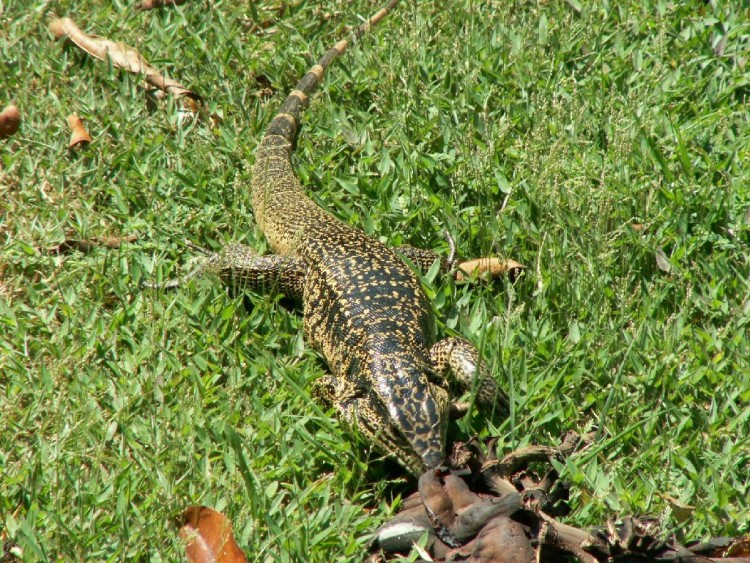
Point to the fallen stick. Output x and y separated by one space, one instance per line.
121 56
88 245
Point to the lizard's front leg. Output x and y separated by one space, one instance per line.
241 268
457 361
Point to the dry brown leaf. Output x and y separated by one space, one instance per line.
79 135
681 511
265 88
121 56
152 4
10 121
209 537
491 266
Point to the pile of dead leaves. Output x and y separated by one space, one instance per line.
487 509
491 510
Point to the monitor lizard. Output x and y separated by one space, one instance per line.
364 309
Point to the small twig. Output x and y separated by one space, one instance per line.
87 246
539 279
452 245
506 199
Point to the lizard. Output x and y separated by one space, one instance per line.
364 309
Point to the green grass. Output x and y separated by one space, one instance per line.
524 128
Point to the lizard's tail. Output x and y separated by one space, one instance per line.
286 122
283 211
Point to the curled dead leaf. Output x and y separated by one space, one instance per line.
209 538
488 266
78 136
10 121
121 56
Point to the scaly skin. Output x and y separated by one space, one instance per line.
364 309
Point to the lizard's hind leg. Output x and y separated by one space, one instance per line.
423 258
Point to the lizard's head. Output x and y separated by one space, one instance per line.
412 417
